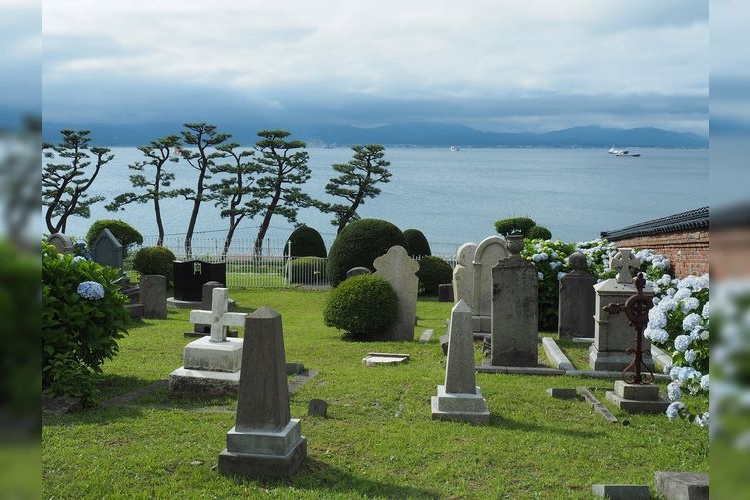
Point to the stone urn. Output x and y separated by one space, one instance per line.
515 243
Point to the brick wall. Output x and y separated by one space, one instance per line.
686 250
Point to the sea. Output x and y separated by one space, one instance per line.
455 197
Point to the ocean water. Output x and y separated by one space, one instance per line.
455 197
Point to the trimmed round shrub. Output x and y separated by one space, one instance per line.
539 233
359 244
307 270
155 260
126 234
305 242
83 317
416 243
514 225
363 307
433 271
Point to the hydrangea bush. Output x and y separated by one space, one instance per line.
679 324
83 317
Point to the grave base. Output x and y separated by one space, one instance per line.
614 361
258 453
202 354
637 398
384 359
203 382
460 407
481 325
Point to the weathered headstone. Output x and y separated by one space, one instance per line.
265 441
317 408
463 274
106 250
613 335
154 296
61 242
218 317
189 277
400 271
488 254
623 261
460 399
515 334
356 271
577 300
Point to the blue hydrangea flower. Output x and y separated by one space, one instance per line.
704 382
673 391
540 275
673 411
90 290
78 258
681 342
690 322
690 355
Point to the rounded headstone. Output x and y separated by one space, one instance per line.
577 261
356 271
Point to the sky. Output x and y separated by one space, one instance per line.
536 65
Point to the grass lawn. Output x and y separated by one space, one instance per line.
379 439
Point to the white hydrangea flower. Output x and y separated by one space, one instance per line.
706 310
704 382
560 275
691 321
674 391
540 275
657 318
689 304
681 342
690 355
673 411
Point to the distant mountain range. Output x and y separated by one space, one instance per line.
404 134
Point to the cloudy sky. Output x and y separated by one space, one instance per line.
532 65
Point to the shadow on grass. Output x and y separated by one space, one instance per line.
506 423
112 386
96 415
316 475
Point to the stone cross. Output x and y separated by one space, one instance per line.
622 262
219 316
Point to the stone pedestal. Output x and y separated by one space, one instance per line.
637 398
613 335
457 406
203 354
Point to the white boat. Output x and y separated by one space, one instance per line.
455 148
622 152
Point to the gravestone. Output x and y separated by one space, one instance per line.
577 300
515 334
211 364
356 271
207 293
460 399
106 250
445 292
400 270
463 274
154 296
189 277
613 335
265 441
488 254
62 243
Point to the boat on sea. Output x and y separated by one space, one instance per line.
455 148
622 152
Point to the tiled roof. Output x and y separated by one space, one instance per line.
685 221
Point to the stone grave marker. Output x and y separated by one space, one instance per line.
106 250
515 333
577 300
62 243
265 441
463 274
207 293
613 335
189 277
154 296
356 271
488 254
460 399
400 271
218 317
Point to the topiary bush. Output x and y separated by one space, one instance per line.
126 234
83 317
416 243
359 244
363 307
514 225
307 270
538 233
305 242
155 260
433 271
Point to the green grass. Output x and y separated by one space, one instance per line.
379 439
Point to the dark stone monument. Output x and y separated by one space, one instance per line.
577 302
317 408
189 277
154 296
445 292
265 441
106 250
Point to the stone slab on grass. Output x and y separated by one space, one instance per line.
555 354
559 393
384 359
621 491
521 370
682 485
